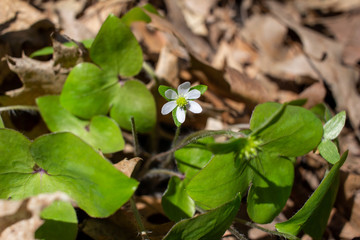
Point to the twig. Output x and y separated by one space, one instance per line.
167 162
162 171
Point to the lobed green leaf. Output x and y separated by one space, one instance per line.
292 132
116 50
69 165
101 132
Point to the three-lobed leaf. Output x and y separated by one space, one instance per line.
115 49
61 162
219 181
329 151
88 91
101 132
293 132
133 99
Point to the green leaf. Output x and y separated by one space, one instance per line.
219 181
272 174
115 49
101 132
193 157
294 225
298 102
88 91
134 100
201 88
1 123
134 15
162 89
293 132
176 203
50 50
61 162
333 127
150 8
315 226
60 222
329 151
209 225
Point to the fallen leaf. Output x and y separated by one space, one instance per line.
20 219
127 166
38 78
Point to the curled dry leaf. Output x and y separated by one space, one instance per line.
340 79
20 219
127 166
38 78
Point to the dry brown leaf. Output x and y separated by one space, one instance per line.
38 78
327 6
195 13
95 15
340 79
127 166
20 219
177 25
19 15
346 30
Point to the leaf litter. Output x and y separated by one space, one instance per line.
246 53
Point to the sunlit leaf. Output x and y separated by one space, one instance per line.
101 132
176 203
333 127
133 99
329 151
60 222
115 49
61 162
294 132
219 181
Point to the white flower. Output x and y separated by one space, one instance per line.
182 101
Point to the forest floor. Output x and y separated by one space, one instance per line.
247 52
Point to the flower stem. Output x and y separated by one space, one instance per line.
167 162
142 229
135 136
253 225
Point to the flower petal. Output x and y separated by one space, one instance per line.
193 94
180 114
168 107
170 94
183 88
194 107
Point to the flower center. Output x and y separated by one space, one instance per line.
251 148
181 102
